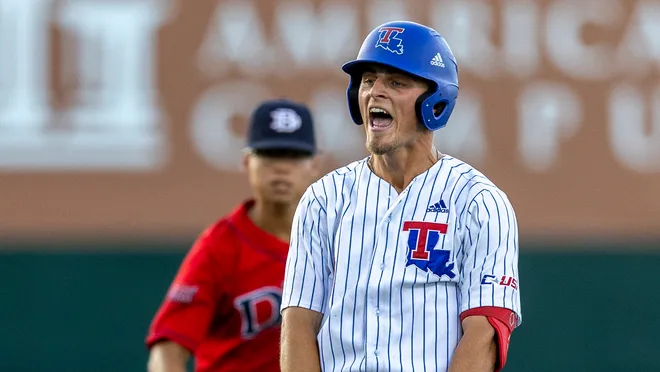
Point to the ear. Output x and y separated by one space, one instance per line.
245 161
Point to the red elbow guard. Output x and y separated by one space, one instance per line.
503 321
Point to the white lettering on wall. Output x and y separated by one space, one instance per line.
210 129
464 136
336 132
24 74
549 113
381 11
328 36
114 121
520 37
116 88
235 36
636 145
467 26
566 47
640 46
110 68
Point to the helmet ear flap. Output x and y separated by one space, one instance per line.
434 108
353 103
419 104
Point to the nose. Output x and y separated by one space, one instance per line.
281 167
378 89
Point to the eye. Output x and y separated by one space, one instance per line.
368 81
396 84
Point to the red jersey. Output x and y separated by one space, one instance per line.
224 302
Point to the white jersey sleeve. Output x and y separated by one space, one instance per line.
489 275
307 266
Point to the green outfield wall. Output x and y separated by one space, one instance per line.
69 311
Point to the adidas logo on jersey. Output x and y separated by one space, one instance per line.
440 207
437 61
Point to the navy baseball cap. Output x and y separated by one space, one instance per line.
282 124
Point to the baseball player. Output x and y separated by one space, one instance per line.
223 305
405 260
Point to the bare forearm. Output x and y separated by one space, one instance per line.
472 357
476 351
299 350
164 366
168 357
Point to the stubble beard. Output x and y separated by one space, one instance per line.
378 146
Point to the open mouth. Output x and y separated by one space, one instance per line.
379 118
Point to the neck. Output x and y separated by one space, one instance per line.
274 218
400 166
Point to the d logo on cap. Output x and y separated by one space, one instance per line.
285 120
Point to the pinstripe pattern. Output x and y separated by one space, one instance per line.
348 259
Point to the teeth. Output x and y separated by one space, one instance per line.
374 110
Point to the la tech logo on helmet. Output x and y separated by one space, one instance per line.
389 41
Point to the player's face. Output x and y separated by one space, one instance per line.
387 104
280 176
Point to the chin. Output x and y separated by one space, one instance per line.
379 148
281 198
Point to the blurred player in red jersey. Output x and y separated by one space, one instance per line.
223 305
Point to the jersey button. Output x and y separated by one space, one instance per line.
377 312
376 352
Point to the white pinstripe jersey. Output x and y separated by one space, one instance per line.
391 273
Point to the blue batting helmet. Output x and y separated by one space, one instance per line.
417 50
